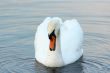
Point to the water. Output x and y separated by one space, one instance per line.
18 24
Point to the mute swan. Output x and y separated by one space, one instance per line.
58 43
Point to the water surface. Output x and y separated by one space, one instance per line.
18 23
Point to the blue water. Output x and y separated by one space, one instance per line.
18 23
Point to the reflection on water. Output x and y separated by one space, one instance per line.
18 23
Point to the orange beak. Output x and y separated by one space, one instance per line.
52 43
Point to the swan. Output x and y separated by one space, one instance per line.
58 43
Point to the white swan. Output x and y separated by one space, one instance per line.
58 43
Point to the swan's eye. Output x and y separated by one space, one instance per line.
52 34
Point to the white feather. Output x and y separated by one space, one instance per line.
68 43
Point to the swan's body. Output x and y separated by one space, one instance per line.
69 40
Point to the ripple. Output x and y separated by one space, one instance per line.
96 56
95 65
17 65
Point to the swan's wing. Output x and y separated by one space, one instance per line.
41 40
71 40
41 30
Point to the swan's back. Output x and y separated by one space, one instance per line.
71 41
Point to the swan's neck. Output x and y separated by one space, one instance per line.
55 57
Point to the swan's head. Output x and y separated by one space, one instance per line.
53 32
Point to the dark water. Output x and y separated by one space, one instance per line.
18 23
